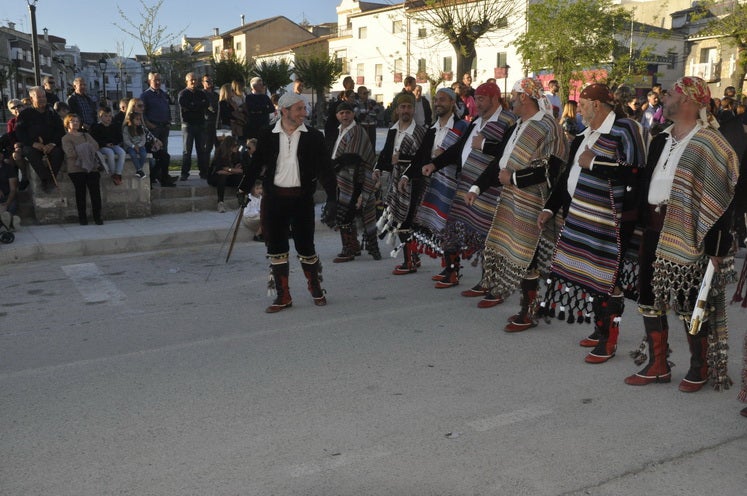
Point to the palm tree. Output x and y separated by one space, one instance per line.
318 73
275 74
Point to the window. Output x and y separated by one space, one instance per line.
360 69
238 46
421 67
396 27
341 58
399 65
501 59
363 32
707 55
447 64
422 33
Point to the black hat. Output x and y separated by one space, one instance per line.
343 106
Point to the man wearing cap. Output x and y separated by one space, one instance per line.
516 250
258 107
691 176
599 194
353 158
400 150
467 225
440 187
48 83
293 157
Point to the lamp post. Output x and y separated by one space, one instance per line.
102 66
124 85
116 80
34 41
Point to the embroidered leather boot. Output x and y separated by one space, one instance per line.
312 269
408 267
608 322
283 299
451 272
657 370
347 254
697 376
526 318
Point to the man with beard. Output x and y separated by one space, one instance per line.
532 159
353 158
467 225
692 172
439 187
293 158
599 193
402 144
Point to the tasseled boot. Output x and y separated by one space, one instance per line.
607 316
372 245
657 337
592 340
312 269
697 376
451 271
408 267
348 249
355 244
280 278
526 317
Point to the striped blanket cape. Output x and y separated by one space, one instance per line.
514 236
589 253
355 171
467 227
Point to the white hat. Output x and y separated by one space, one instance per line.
289 99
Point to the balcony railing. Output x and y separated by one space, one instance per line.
710 71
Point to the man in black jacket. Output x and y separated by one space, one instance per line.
293 157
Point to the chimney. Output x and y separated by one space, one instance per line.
216 32
12 25
242 19
46 34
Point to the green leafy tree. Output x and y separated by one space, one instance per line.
567 36
462 22
318 72
230 67
274 74
148 31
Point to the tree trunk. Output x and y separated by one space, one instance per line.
463 62
320 108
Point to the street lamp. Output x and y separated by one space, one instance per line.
116 80
124 85
34 41
102 66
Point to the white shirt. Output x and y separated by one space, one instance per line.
590 138
401 134
341 134
441 132
479 124
663 175
518 131
252 208
287 173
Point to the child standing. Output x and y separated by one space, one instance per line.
133 137
252 217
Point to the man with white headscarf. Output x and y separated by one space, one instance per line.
533 158
293 157
691 174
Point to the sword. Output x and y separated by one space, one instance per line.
236 225
700 305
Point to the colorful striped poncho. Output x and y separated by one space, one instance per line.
355 162
514 235
467 226
702 191
595 237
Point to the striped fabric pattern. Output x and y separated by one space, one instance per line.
514 236
356 142
436 203
399 203
471 224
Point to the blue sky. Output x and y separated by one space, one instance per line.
88 23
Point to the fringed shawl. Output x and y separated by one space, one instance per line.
514 236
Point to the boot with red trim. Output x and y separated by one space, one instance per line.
451 272
697 376
608 323
312 269
657 337
526 318
280 278
408 267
